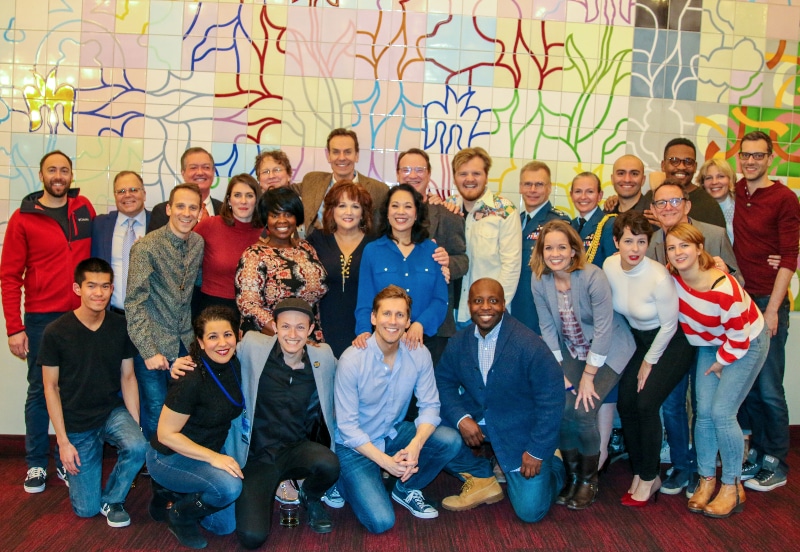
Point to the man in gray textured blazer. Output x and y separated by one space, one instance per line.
342 150
668 215
446 229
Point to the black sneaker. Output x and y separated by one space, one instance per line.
694 481
36 480
116 516
768 477
63 475
318 518
750 467
676 481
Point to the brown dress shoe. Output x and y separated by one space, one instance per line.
474 492
730 499
702 495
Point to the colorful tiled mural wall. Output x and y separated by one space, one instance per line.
130 84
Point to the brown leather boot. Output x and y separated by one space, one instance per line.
730 499
702 495
586 491
571 459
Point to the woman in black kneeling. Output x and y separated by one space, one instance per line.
184 454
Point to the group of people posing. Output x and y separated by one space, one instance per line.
361 339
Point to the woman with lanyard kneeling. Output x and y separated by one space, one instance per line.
184 454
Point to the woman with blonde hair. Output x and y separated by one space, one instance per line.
578 323
720 319
718 178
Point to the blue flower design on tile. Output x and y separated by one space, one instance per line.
452 124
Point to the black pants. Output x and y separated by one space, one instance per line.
638 410
313 462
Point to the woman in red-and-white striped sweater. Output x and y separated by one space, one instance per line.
718 317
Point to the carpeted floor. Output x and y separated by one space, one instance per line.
770 522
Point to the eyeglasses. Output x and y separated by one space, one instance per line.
675 161
757 155
131 190
534 185
419 171
674 202
276 171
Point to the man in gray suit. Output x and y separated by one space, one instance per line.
446 229
342 149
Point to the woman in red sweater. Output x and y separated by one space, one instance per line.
227 235
720 319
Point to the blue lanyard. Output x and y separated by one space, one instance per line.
225 391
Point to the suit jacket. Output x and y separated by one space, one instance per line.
315 185
159 216
717 244
606 330
522 307
447 230
523 398
253 351
103 233
606 248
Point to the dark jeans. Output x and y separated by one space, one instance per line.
436 345
37 421
677 424
639 410
152 393
766 403
305 460
579 427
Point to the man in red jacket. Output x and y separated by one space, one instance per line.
45 240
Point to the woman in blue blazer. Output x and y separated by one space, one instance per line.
578 323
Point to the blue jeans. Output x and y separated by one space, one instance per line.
361 485
766 403
37 421
532 498
152 392
184 475
718 400
676 424
121 431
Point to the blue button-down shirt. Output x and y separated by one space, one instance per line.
371 398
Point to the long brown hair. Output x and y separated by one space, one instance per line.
538 266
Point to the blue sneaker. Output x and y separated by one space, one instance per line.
750 467
332 498
414 502
676 481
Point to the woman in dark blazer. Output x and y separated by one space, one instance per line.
578 323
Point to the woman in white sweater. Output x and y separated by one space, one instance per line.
644 293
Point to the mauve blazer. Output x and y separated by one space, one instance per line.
606 330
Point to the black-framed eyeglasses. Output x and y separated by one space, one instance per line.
674 202
757 155
131 190
419 171
687 161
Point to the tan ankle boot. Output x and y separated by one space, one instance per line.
702 495
730 499
474 492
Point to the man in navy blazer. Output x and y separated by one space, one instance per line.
513 397
108 237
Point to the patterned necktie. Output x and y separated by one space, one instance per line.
127 243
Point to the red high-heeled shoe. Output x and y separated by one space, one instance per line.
633 503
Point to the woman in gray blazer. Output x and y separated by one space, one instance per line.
578 323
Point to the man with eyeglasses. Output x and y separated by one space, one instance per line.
492 228
766 221
447 230
534 188
45 239
342 151
671 206
113 236
197 167
679 164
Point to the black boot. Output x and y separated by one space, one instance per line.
183 520
162 501
571 460
318 518
586 492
